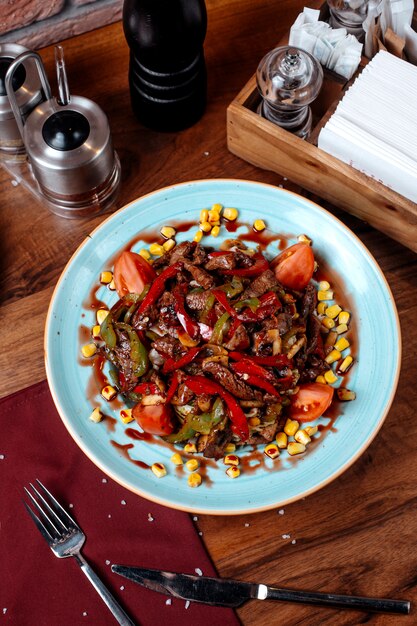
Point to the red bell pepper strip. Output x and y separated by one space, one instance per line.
249 367
200 384
170 364
278 360
219 253
233 328
172 388
188 324
147 389
157 287
257 381
260 265
269 305
222 298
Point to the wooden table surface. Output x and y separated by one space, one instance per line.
357 535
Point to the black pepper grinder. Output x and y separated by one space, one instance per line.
167 72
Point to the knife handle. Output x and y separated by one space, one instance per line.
337 601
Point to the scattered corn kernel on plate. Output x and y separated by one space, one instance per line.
270 476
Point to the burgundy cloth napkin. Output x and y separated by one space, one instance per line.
38 588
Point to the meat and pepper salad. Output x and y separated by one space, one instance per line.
216 348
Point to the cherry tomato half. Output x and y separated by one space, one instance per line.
131 273
311 401
154 418
294 267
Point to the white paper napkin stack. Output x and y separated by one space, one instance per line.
374 128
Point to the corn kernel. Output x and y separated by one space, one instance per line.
330 377
294 447
271 450
230 214
216 223
198 236
345 365
168 232
344 317
321 379
108 392
204 216
302 436
259 225
176 459
96 332
151 261
231 447
192 465
168 245
215 231
96 416
328 323
217 207
156 250
291 427
304 239
158 469
324 285
144 253
282 440
126 416
231 459
333 311
254 421
341 328
333 356
341 344
233 471
190 448
325 295
89 350
112 285
345 395
205 227
311 430
101 315
194 480
106 277
213 216
321 308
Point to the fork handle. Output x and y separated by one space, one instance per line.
103 592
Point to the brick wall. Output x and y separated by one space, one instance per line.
36 23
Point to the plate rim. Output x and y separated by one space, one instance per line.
208 511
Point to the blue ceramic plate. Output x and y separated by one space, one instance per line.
363 289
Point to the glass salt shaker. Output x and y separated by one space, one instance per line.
349 14
288 80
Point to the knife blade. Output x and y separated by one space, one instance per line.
233 593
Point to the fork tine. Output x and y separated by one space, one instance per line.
55 518
47 522
41 527
60 512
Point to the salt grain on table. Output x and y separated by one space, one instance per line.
195 518
247 524
150 518
70 506
281 512
4 611
294 541
122 588
123 502
198 571
85 614
168 601
286 536
187 604
107 562
104 480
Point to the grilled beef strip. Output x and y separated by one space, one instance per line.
230 382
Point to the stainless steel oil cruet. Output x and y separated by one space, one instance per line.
68 144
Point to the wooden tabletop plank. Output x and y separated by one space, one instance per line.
357 534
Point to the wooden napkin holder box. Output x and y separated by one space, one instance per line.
265 145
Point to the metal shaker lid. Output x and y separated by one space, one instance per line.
289 77
69 146
26 84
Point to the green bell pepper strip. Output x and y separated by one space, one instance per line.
138 353
184 433
252 303
108 333
219 329
203 317
201 384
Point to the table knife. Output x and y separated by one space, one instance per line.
233 593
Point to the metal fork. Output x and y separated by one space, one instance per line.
65 538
